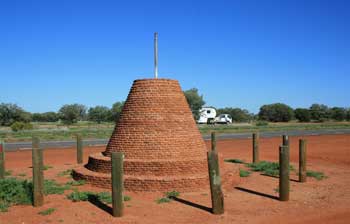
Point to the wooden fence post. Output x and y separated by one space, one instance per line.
79 149
38 173
302 161
284 173
255 147
117 184
217 197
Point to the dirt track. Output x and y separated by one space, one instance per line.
325 201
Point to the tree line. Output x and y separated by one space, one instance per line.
13 115
276 112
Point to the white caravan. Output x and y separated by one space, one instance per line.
206 115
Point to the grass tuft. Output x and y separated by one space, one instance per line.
267 168
172 194
46 167
163 200
47 211
244 173
52 187
315 174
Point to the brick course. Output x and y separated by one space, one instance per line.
160 140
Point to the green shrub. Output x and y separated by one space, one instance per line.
244 173
19 192
315 174
163 200
77 196
277 112
19 126
52 187
172 194
47 211
14 192
127 198
267 168
105 197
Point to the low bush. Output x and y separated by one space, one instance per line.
20 192
14 192
267 168
19 126
77 196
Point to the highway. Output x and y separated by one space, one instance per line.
98 142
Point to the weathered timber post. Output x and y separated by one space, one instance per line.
217 197
38 175
302 160
285 140
117 184
2 160
79 149
284 173
255 147
213 141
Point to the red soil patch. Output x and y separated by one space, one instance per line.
326 201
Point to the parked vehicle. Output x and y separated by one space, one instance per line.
223 119
207 115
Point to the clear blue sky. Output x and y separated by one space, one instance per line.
237 53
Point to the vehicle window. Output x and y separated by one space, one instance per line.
208 111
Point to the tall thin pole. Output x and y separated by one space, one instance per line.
156 55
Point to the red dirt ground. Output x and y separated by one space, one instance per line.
325 201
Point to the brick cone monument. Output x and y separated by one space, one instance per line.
162 145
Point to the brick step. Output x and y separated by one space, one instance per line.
155 167
181 183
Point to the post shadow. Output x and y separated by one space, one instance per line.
277 177
257 193
93 199
189 203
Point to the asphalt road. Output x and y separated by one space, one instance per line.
66 144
